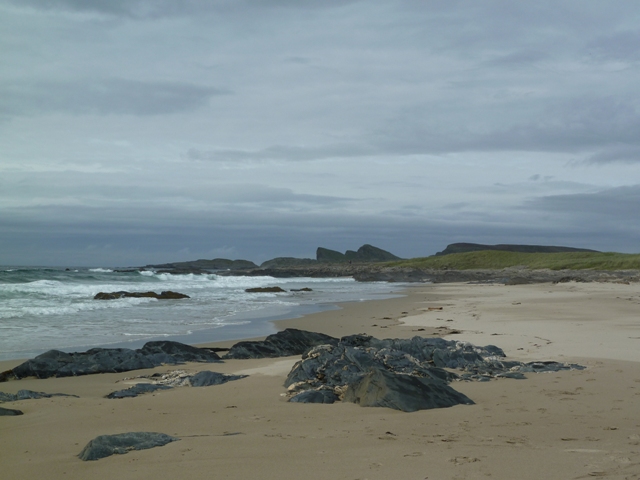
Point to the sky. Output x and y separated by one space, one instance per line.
148 131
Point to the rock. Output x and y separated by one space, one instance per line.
29 394
315 396
408 393
55 363
410 367
282 344
207 378
137 389
9 412
178 378
265 290
305 289
167 295
107 445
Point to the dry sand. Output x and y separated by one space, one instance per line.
567 425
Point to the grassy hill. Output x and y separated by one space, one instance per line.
501 259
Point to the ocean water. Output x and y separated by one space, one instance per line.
47 308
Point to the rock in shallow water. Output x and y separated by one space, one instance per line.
107 445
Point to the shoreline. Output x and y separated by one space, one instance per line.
570 424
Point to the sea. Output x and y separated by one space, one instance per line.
44 308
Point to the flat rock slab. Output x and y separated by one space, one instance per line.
107 445
178 378
9 412
55 363
29 394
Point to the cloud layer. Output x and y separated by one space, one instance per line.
144 131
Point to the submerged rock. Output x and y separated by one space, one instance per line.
265 290
166 295
107 445
288 342
55 363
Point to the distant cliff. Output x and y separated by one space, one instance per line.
476 247
366 253
201 265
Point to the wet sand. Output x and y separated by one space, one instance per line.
566 425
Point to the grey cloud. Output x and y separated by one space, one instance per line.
619 206
161 8
102 97
615 154
283 152
624 46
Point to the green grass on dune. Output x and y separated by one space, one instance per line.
500 259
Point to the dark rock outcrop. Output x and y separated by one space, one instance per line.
55 363
476 247
166 295
10 412
382 372
408 393
265 290
138 389
29 394
288 342
107 445
207 378
315 396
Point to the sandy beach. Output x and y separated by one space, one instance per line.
566 425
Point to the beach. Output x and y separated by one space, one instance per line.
563 425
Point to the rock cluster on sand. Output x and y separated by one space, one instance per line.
403 374
55 363
107 445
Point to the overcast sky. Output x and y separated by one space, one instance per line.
148 131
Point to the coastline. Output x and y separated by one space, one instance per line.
572 424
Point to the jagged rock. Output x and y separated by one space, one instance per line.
166 295
315 396
55 363
408 393
366 253
282 344
107 445
265 290
138 389
419 363
29 394
10 412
